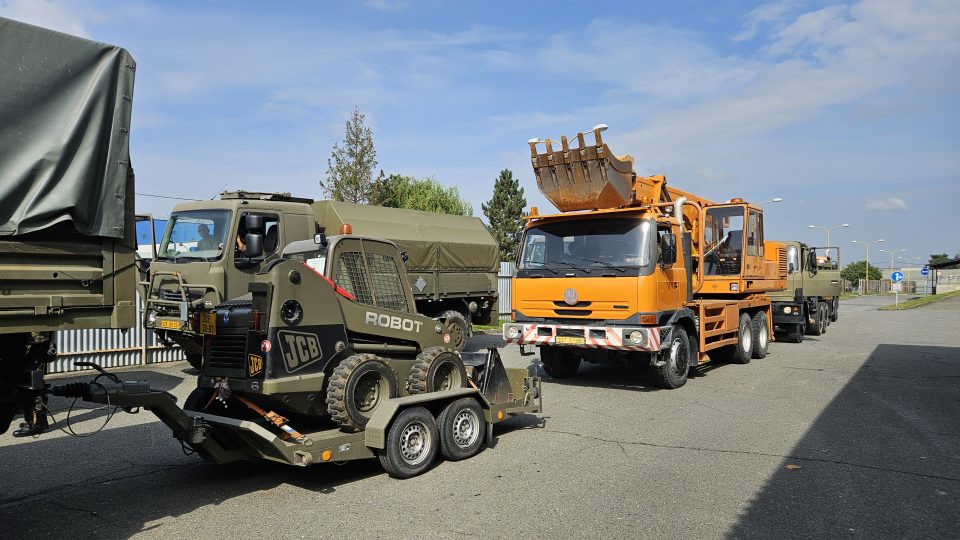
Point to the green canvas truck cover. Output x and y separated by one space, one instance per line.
65 106
432 241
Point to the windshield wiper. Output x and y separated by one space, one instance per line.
572 265
607 265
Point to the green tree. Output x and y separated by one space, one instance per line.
425 194
351 165
938 257
855 271
504 211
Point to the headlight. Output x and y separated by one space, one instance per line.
513 332
786 309
291 312
151 317
636 336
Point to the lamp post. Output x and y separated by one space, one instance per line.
775 199
827 230
866 270
891 252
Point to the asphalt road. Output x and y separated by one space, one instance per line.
855 433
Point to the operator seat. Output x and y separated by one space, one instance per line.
271 239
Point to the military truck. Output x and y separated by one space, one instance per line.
211 250
67 238
811 300
635 271
326 360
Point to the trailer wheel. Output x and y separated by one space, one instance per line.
558 362
411 444
761 335
461 426
743 350
457 327
359 386
676 362
437 368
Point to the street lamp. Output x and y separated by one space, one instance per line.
775 199
827 230
866 271
891 252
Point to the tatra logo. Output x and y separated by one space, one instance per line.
299 349
254 365
570 297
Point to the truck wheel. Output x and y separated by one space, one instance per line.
743 350
195 360
825 317
797 332
359 386
835 312
816 328
411 444
461 426
437 368
558 362
676 362
457 327
761 335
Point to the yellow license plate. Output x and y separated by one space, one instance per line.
208 324
571 340
172 325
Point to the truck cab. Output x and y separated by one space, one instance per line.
811 300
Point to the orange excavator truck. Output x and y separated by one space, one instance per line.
634 271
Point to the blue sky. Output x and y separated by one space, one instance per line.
850 111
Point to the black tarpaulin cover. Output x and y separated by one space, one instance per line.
65 107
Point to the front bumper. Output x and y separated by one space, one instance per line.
795 315
653 338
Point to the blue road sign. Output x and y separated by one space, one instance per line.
897 277
924 271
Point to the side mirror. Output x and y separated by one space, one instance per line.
668 249
812 263
254 244
253 222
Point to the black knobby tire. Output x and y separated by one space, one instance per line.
358 387
816 328
195 361
826 318
761 335
411 444
437 368
676 362
457 327
743 349
835 312
461 426
558 362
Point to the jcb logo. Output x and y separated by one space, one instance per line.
254 365
299 349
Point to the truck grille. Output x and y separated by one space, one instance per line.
227 351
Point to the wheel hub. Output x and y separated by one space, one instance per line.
414 443
368 392
465 428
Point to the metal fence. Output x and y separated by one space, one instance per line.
111 348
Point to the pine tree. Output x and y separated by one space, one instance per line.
350 167
505 212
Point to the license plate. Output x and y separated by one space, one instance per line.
571 340
208 324
170 324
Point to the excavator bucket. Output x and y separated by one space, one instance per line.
585 177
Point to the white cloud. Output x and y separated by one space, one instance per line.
766 14
884 204
60 16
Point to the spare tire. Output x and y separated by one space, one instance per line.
359 386
457 327
437 368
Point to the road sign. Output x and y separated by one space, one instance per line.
924 271
898 287
897 277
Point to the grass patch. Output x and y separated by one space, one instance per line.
498 326
922 301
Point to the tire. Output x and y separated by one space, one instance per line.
199 398
796 332
835 312
196 361
359 386
826 318
816 328
461 426
457 327
676 362
743 350
761 335
411 444
558 362
436 368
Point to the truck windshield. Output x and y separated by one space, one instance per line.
596 246
314 258
195 235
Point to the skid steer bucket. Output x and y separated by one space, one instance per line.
585 177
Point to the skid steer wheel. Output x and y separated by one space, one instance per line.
199 400
359 386
457 327
437 368
411 444
676 362
461 426
743 350
558 362
761 335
